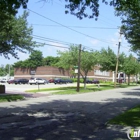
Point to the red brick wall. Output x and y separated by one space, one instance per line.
42 72
51 72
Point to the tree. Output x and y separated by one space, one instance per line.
16 36
107 60
79 8
4 70
50 60
35 60
69 59
12 6
88 61
130 67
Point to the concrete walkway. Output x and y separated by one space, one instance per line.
79 117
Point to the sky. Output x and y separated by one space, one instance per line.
46 19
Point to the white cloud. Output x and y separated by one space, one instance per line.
93 41
58 46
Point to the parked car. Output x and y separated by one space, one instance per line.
51 80
60 81
69 81
95 82
11 81
3 80
36 81
46 81
21 81
88 81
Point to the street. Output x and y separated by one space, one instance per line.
80 116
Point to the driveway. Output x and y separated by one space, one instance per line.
68 117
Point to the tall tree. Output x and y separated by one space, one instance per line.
130 66
108 60
16 36
69 59
50 60
35 60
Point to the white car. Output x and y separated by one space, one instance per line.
36 81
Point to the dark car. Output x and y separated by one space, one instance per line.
95 82
21 81
11 81
88 81
69 81
60 81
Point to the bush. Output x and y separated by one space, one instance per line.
75 80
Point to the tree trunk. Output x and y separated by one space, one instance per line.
85 82
128 80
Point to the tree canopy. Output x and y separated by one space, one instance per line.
7 69
16 36
12 6
108 59
69 59
36 59
131 66
81 8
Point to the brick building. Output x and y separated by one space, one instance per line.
48 72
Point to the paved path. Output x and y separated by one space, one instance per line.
67 117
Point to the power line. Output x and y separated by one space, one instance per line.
75 26
53 40
54 45
68 43
69 27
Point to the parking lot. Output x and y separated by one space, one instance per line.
24 87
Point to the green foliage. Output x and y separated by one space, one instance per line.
12 6
16 36
75 80
69 59
50 61
130 65
108 59
9 98
35 60
90 8
128 118
4 70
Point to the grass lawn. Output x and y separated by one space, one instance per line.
72 90
9 98
128 118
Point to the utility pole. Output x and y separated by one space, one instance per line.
117 63
9 70
79 61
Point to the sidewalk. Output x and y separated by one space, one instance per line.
67 117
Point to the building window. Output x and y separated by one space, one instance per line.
102 73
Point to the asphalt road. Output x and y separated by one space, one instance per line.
24 87
68 117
